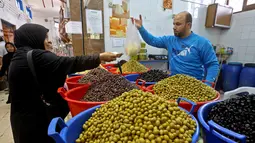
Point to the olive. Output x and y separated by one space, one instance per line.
110 122
105 86
153 75
133 66
236 114
184 86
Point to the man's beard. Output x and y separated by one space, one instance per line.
178 34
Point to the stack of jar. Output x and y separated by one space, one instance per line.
142 55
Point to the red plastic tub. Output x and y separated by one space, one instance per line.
73 98
186 105
113 70
110 67
72 82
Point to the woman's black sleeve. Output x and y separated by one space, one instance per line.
5 66
48 61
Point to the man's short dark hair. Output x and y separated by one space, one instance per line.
188 18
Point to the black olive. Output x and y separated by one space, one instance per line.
104 85
236 114
153 76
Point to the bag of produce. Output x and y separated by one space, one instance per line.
133 42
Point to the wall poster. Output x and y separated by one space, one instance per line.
8 31
167 4
119 19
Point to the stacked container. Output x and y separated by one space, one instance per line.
231 75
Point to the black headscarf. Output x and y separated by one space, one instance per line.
7 60
30 35
10 54
9 43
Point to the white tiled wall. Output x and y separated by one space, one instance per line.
199 17
241 36
159 22
49 24
154 20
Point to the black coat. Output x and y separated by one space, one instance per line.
29 119
6 62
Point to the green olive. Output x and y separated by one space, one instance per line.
133 66
184 86
154 120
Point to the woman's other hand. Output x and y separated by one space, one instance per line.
108 56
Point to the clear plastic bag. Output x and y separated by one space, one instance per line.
133 41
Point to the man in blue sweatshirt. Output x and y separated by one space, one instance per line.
188 52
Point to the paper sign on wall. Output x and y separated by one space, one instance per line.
94 21
117 42
73 27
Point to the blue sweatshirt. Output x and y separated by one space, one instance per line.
187 55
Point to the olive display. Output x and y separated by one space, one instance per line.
138 117
95 75
108 87
153 76
133 66
236 114
184 86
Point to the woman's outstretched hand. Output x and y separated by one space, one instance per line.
108 56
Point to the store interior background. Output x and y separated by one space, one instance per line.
241 35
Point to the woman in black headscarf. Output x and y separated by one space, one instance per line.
30 116
10 47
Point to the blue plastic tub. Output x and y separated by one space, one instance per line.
247 75
71 130
231 75
133 79
212 131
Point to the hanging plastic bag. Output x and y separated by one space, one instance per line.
133 41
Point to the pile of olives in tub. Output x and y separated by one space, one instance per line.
236 114
133 66
184 86
104 85
153 75
138 117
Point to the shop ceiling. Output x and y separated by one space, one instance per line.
44 8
